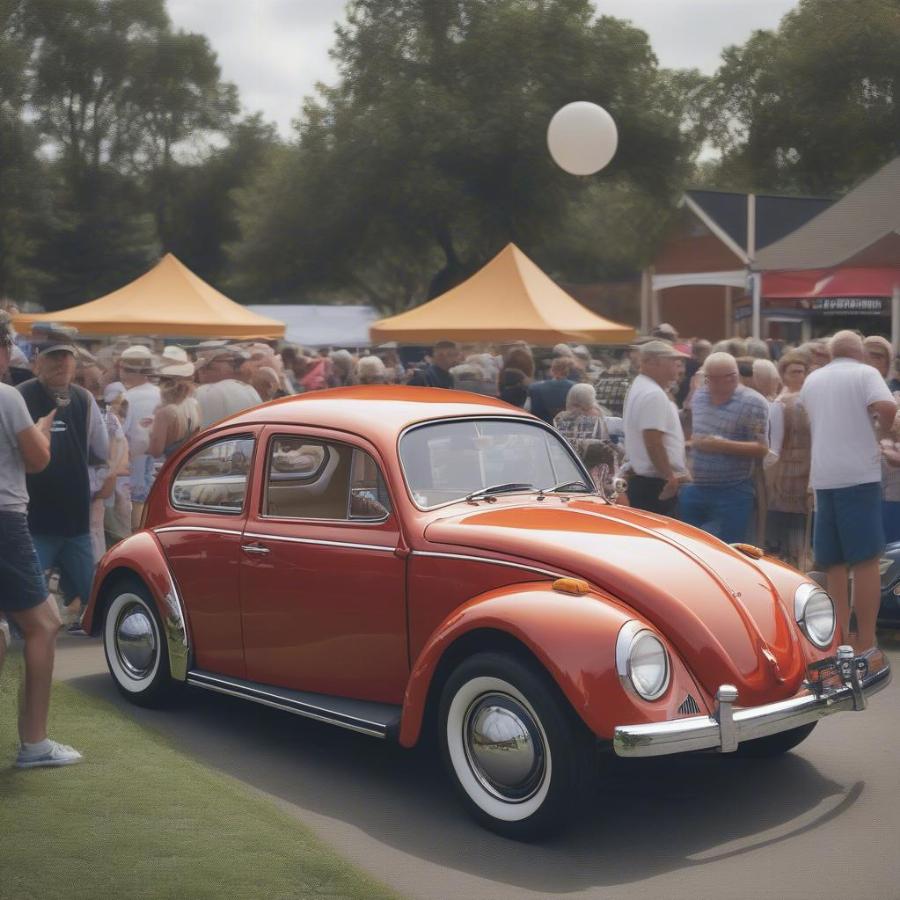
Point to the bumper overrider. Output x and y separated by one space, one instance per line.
850 683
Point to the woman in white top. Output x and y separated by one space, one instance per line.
179 415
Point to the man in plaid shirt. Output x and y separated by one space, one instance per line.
730 432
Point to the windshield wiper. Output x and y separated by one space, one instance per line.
568 486
500 489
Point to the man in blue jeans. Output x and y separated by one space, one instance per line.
730 432
60 494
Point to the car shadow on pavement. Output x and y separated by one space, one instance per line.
650 816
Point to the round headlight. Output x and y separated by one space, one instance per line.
642 661
814 612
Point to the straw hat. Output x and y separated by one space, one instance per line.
177 370
175 354
137 358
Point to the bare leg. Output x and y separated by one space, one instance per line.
40 626
4 636
839 589
866 600
137 510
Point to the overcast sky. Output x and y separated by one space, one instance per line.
276 50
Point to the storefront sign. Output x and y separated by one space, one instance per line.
859 306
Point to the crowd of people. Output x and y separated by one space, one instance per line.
748 447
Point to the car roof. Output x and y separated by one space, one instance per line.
375 411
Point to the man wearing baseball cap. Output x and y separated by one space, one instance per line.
24 599
654 440
221 394
60 495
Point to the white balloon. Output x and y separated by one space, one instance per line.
582 138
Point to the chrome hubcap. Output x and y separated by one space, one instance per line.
136 641
504 747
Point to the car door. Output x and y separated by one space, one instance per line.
322 581
202 539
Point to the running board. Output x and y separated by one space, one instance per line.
380 720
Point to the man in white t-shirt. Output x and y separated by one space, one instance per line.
654 440
221 394
846 401
142 396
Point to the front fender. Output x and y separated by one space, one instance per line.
572 636
142 556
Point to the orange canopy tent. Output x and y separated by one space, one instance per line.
510 299
169 300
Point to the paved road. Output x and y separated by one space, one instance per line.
822 822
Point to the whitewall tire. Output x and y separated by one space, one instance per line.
136 651
519 758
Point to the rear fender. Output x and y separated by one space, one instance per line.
141 556
573 637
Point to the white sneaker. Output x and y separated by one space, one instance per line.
55 755
5 637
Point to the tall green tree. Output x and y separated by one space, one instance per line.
204 206
125 105
430 153
814 106
22 200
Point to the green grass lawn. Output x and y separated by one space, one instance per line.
139 819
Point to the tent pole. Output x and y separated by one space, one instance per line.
757 304
895 318
729 312
646 288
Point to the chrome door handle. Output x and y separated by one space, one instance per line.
254 548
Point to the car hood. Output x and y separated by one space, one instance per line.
716 607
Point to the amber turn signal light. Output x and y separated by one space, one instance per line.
750 550
571 586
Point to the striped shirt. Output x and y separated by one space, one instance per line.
745 417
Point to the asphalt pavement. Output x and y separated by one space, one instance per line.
820 822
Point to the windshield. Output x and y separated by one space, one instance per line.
447 461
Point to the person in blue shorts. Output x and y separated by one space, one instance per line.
849 407
24 599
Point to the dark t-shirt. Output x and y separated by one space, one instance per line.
432 376
549 397
60 495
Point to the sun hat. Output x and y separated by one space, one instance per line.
660 350
206 355
113 391
137 358
174 353
177 370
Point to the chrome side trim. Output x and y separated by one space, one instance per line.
485 559
166 528
177 639
286 704
733 725
322 543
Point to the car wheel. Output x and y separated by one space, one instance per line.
774 744
520 759
135 648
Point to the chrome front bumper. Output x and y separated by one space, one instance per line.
732 725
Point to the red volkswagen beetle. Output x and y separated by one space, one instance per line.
394 559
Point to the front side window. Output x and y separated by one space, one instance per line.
309 479
368 493
446 461
214 478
